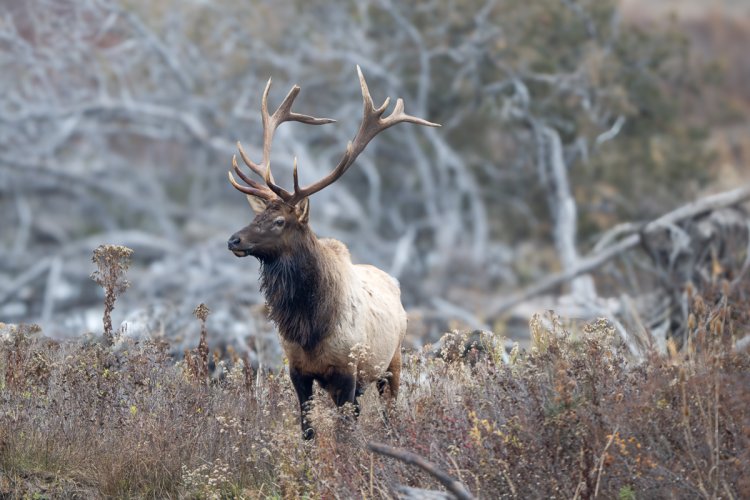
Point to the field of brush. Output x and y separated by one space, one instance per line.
572 417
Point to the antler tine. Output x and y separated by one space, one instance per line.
282 114
253 187
294 174
372 121
270 122
250 163
372 124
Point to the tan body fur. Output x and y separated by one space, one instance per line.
370 327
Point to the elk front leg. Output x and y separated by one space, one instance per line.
303 386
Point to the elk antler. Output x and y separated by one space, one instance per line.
372 124
282 114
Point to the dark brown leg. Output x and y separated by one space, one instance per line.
303 386
392 380
343 389
395 379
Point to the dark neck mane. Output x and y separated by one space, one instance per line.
302 293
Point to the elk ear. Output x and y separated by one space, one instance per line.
303 210
257 204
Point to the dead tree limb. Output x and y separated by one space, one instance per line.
455 487
131 238
591 262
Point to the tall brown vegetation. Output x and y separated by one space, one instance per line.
572 417
112 262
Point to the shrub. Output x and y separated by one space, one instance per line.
573 416
112 261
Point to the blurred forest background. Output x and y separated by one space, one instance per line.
567 127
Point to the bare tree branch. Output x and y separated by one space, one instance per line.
452 485
592 262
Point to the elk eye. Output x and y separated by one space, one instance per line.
279 222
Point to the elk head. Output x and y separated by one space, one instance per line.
281 216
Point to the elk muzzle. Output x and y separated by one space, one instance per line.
234 244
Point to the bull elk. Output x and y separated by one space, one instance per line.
324 306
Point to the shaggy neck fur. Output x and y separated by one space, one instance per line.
302 291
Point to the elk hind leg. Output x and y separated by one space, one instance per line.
343 389
394 377
391 382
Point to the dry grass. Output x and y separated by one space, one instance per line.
574 417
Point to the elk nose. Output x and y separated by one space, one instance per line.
234 240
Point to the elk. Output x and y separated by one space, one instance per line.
325 307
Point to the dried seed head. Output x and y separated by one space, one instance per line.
202 311
112 261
